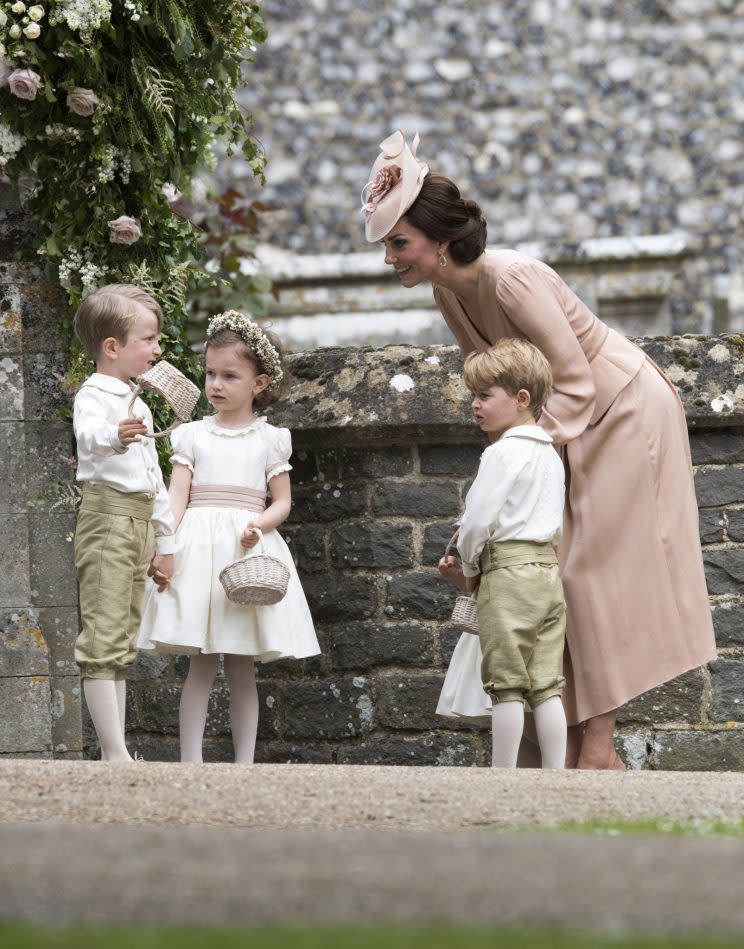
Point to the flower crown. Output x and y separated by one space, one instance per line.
254 338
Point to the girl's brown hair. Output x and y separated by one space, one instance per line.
225 338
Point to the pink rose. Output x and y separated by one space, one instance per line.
24 83
82 102
124 230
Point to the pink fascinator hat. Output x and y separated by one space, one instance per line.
393 186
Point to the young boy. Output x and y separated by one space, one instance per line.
512 521
124 497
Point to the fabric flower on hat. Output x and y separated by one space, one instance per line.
82 102
394 183
124 230
383 182
24 83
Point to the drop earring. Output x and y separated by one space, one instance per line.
442 259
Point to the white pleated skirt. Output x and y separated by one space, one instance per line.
194 616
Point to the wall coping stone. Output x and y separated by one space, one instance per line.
286 267
353 394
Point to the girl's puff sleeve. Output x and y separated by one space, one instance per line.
182 443
277 459
531 297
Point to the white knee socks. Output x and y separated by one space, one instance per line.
101 697
550 724
192 716
507 720
121 700
507 725
241 678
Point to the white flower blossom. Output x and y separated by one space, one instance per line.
76 262
32 31
10 144
15 31
36 13
3 18
18 7
85 16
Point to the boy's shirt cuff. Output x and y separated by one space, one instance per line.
165 543
470 569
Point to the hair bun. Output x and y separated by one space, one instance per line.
473 209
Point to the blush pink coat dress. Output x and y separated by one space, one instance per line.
637 605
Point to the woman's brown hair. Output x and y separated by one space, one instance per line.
442 214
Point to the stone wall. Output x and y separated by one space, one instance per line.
39 685
566 120
384 452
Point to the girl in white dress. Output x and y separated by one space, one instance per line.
222 467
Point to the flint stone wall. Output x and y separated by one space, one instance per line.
566 120
39 683
384 453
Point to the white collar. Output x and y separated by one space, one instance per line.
210 422
527 431
110 384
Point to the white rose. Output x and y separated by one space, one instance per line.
171 193
24 83
18 7
32 31
15 31
82 101
36 13
3 18
124 230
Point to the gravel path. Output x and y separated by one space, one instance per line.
335 797
94 843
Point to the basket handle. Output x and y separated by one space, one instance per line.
450 545
260 545
138 390
451 542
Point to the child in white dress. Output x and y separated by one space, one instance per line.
222 467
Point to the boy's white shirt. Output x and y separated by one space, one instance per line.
100 405
518 494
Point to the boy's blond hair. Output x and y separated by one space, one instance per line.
512 364
108 312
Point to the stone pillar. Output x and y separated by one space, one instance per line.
39 685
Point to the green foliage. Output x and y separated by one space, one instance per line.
107 102
382 936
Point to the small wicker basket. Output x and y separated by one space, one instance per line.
465 615
465 611
178 391
256 579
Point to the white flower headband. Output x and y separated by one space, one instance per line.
254 337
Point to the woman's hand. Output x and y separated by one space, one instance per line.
250 537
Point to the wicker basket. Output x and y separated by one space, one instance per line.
465 611
256 579
178 391
465 615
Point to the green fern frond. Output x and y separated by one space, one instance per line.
157 91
